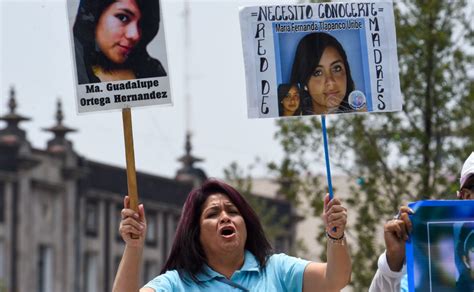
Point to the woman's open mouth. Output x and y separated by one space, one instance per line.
227 231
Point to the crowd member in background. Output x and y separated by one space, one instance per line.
391 274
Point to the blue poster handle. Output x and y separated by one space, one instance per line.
326 156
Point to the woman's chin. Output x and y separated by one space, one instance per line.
333 103
118 59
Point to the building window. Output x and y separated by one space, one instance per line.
150 271
90 273
45 269
2 202
164 239
152 228
175 225
118 219
92 217
2 262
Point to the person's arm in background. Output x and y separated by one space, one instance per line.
128 272
336 273
391 264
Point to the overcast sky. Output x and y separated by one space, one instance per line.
36 59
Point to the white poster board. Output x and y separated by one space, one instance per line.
312 59
119 54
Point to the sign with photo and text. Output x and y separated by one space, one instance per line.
119 54
326 58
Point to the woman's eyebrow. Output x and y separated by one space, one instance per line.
230 206
211 208
334 62
127 11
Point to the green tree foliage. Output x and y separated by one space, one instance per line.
395 157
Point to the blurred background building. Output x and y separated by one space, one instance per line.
59 212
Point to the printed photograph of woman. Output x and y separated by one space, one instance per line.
289 101
321 68
111 38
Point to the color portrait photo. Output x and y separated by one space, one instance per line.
328 67
115 41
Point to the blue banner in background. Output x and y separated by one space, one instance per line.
440 251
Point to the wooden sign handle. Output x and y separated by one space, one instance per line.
130 160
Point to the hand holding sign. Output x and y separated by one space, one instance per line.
335 218
114 69
396 233
133 225
319 59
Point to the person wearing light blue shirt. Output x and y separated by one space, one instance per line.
282 273
220 246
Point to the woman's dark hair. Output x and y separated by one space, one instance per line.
88 52
307 57
283 90
187 255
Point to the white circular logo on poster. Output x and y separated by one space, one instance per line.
357 99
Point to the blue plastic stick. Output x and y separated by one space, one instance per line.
326 156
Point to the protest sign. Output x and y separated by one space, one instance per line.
119 54
311 59
440 251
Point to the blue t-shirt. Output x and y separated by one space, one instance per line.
281 273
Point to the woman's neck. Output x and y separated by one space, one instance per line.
226 264
113 75
287 113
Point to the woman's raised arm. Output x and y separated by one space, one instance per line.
336 273
132 229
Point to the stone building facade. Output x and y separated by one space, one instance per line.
59 212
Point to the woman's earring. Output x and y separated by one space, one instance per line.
305 88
